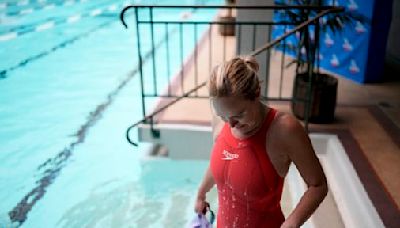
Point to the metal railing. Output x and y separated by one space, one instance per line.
151 67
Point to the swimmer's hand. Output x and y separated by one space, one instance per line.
288 224
201 205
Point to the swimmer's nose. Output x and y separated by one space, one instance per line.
233 123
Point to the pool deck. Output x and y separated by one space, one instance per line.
367 121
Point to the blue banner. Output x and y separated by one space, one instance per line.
344 52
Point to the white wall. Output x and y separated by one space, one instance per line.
262 34
183 141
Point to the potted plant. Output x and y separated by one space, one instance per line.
322 88
227 29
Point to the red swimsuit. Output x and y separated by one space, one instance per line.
249 188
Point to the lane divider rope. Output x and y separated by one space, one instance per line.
22 30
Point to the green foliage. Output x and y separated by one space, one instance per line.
334 22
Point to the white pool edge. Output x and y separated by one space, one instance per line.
354 205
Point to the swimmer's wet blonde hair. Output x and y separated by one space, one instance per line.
236 77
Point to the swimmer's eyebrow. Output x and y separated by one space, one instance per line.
239 113
236 115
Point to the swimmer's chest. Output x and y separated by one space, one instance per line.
239 168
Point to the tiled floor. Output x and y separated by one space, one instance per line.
367 120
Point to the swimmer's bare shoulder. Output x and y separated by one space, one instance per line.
288 136
277 139
292 139
284 125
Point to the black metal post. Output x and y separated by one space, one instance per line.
195 59
254 38
282 64
210 48
168 60
238 39
140 61
153 51
181 55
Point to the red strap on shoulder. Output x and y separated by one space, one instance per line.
263 157
270 117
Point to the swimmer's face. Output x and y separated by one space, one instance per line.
238 112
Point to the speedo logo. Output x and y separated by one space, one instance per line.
229 156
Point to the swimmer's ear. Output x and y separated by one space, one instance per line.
258 92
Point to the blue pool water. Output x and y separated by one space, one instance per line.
68 93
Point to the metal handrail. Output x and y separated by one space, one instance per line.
326 10
274 7
151 116
297 28
277 7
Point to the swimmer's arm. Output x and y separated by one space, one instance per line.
205 186
208 179
300 151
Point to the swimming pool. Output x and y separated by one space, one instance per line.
68 92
